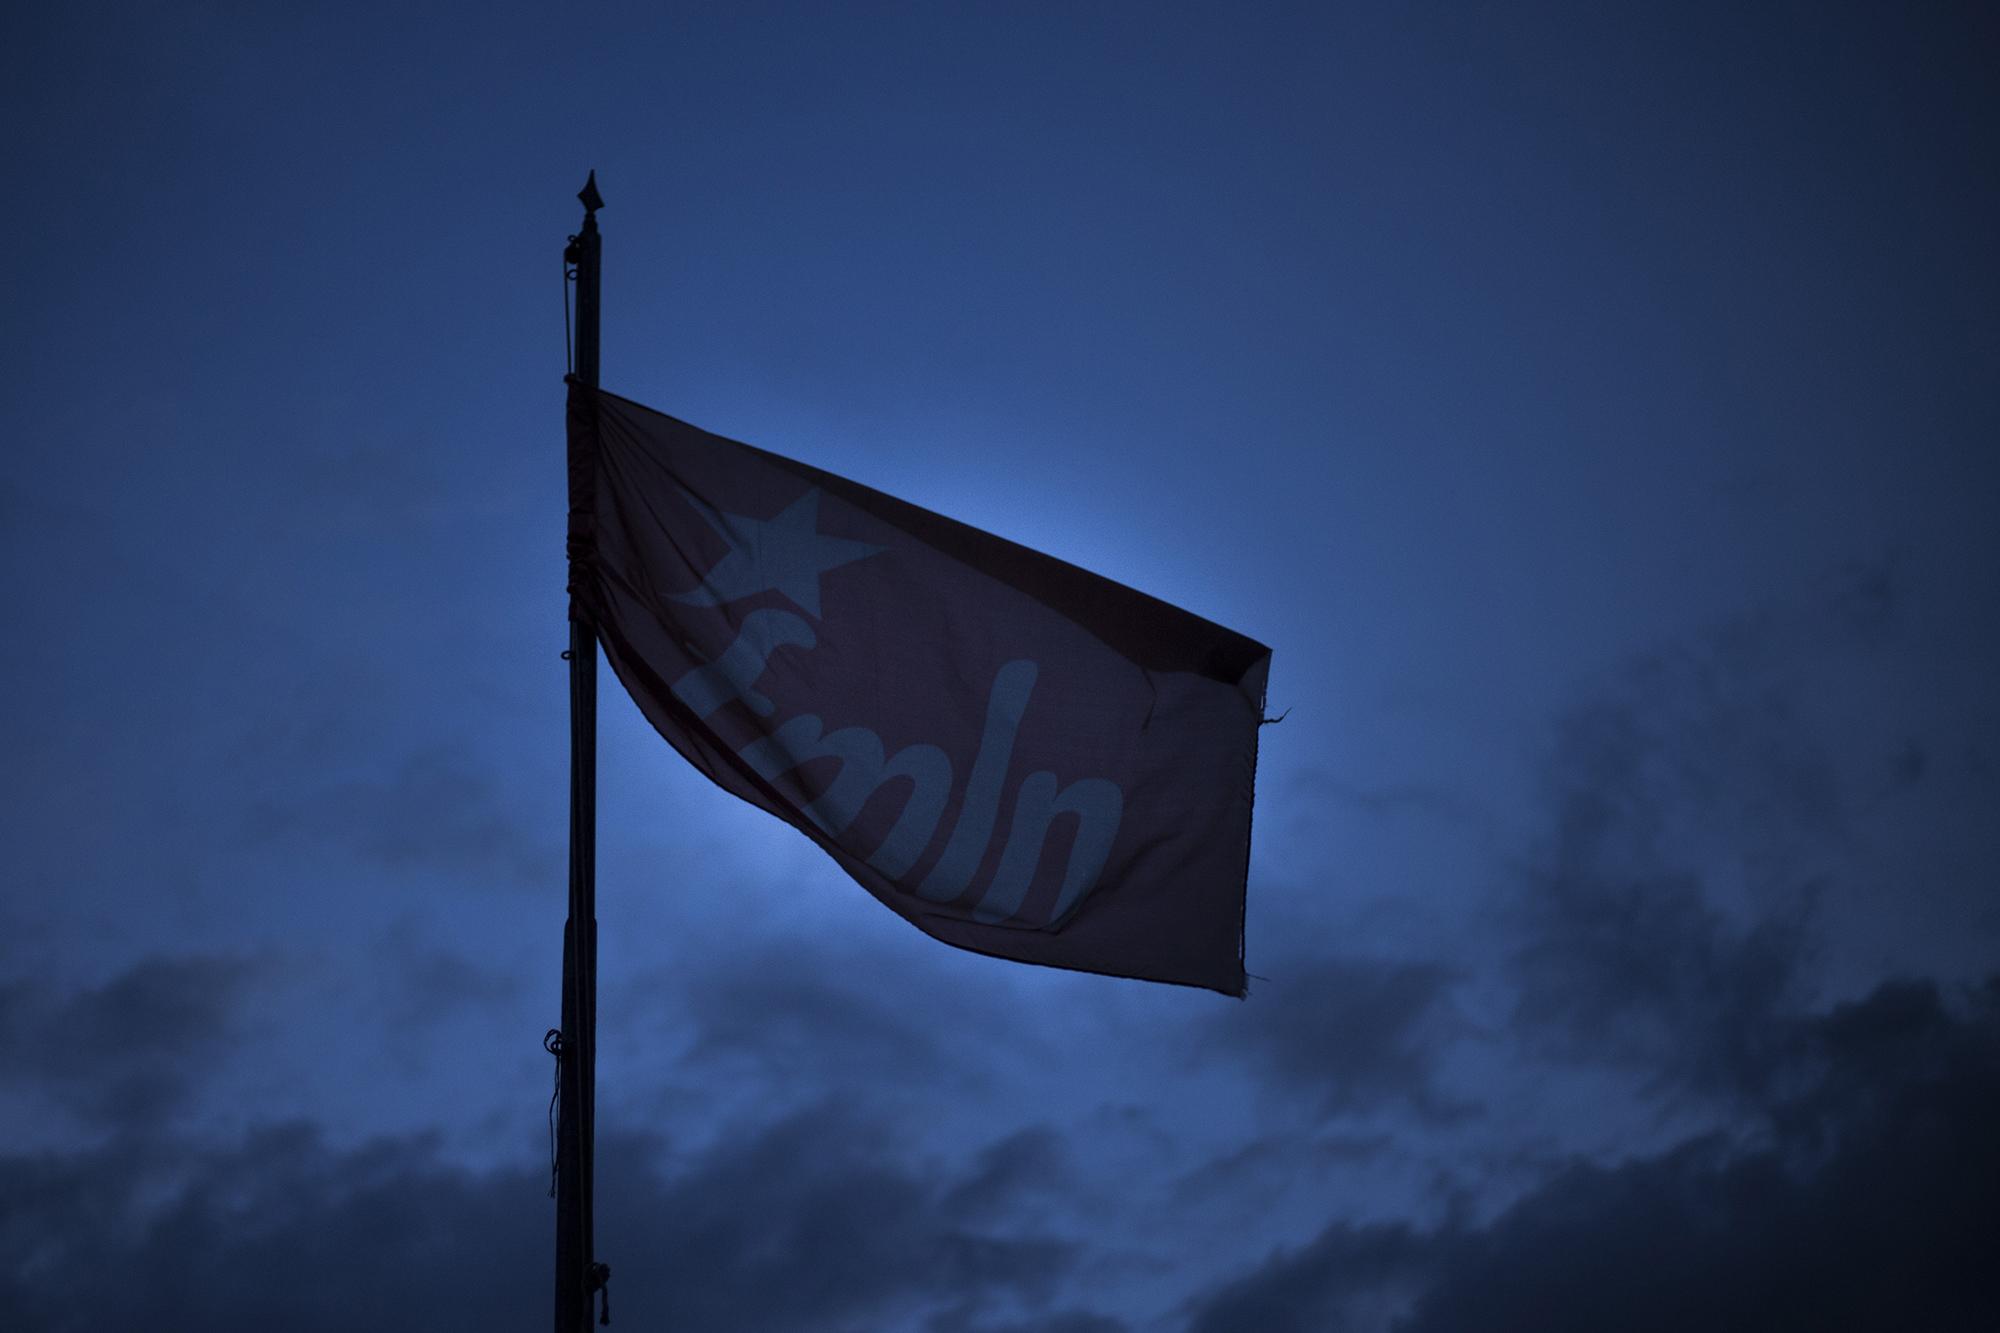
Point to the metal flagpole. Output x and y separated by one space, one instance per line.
578 1275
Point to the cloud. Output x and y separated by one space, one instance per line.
438 809
1348 1278
278 1231
128 1053
817 1224
810 1016
790 1015
1352 1034
423 982
1021 1166
1695 816
1266 1165
1863 1205
1643 972
816 1221
1315 785
1065 1321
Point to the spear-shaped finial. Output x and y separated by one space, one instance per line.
592 200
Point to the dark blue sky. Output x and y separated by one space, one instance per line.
1594 407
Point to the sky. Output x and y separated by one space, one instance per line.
1593 406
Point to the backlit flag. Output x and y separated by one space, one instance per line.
1015 755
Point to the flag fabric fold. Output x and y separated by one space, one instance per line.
1017 756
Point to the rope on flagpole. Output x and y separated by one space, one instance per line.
552 1043
569 340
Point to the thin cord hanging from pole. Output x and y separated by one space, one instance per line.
569 342
552 1043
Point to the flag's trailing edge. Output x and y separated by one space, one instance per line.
1017 756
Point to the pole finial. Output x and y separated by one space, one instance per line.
592 200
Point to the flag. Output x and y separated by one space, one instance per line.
1017 756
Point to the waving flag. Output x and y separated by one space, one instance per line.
1015 755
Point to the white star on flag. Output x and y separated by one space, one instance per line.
786 553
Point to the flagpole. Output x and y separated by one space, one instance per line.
578 1275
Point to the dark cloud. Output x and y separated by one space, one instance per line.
439 809
815 1222
1315 785
1695 811
1025 1164
1265 1165
1352 1034
128 1053
818 1012
818 1224
1868 600
1643 972
278 1232
1066 1321
1348 1278
1865 1203
424 982
805 1019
